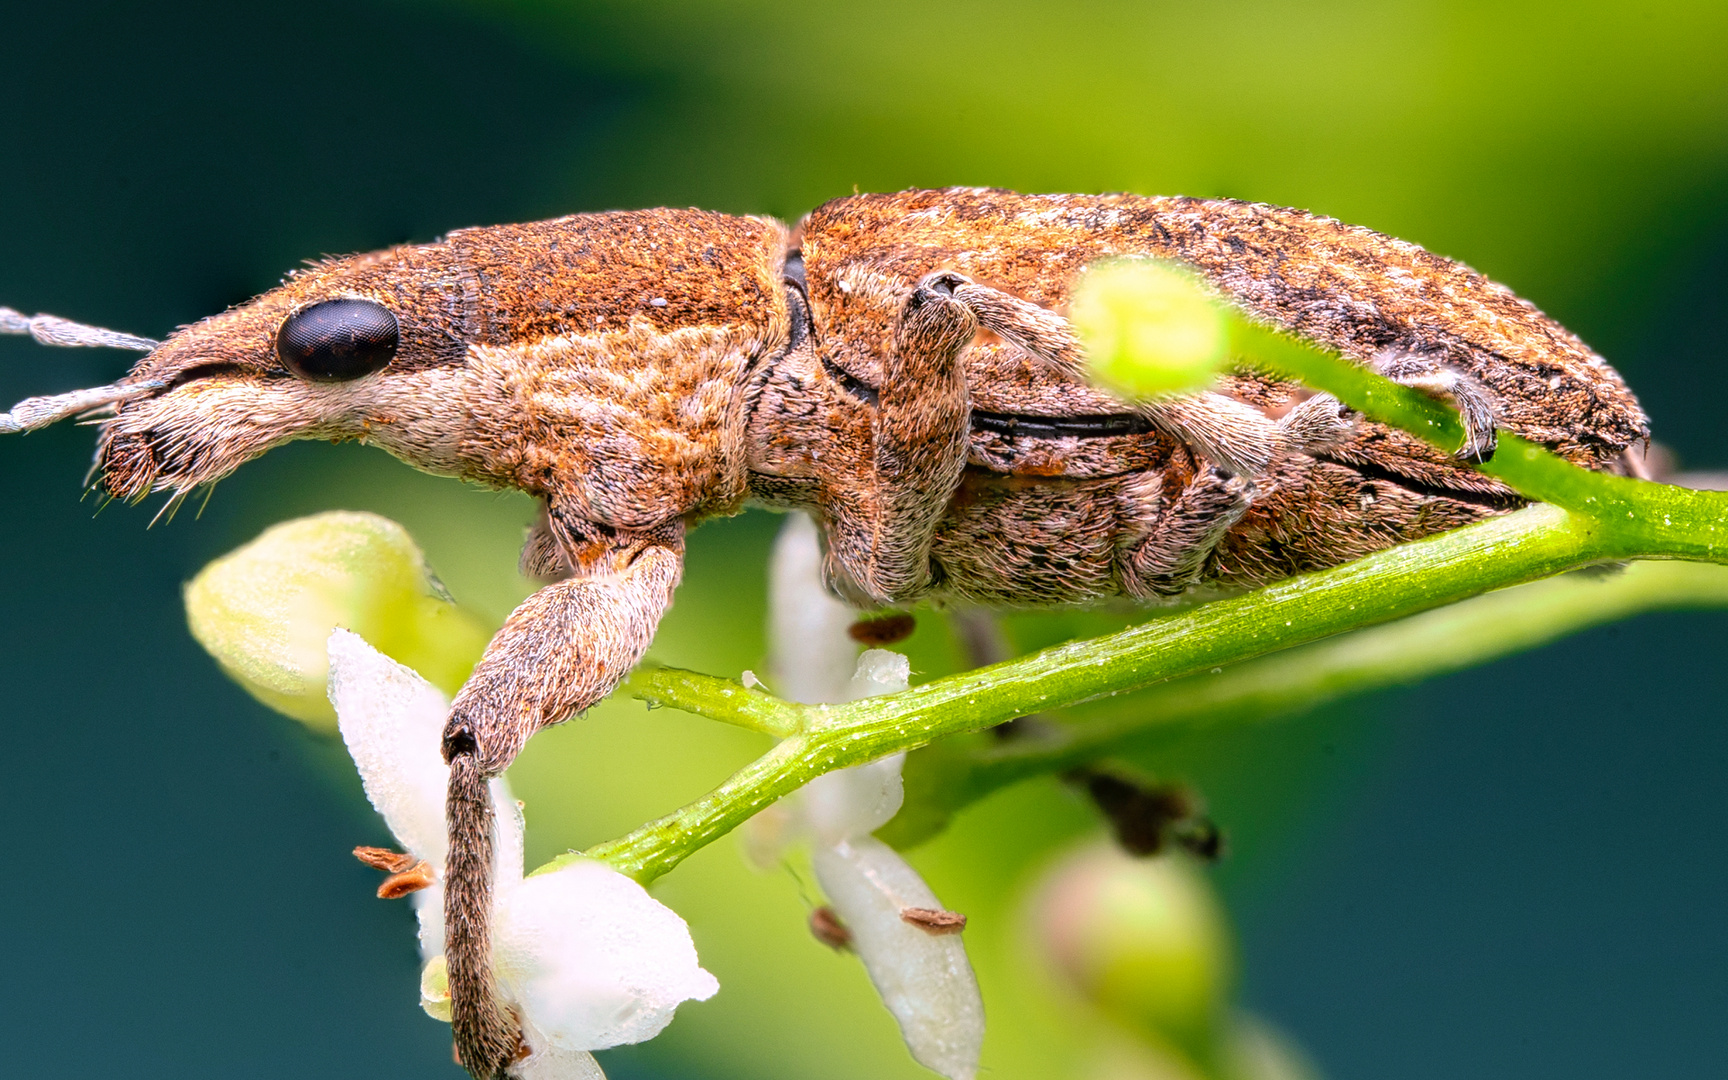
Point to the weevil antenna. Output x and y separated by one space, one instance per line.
53 330
33 413
39 412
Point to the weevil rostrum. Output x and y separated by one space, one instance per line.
898 366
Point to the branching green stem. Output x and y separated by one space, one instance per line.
958 772
1589 518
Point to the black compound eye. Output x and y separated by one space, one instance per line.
337 340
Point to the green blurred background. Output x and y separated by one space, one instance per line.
1516 871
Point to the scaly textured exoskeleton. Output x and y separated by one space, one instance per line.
900 368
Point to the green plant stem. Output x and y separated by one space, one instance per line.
717 699
1649 520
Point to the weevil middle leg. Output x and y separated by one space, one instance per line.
880 522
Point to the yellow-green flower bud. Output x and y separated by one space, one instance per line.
1144 940
266 610
1150 328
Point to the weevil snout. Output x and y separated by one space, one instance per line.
343 350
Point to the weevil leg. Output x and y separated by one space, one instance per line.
1171 557
880 523
1317 423
542 558
1232 434
1476 404
562 650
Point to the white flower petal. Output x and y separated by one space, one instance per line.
392 721
591 960
429 910
854 802
924 979
767 836
555 1064
812 656
509 826
860 800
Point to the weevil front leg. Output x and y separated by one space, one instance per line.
881 521
564 649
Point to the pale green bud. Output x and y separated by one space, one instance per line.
435 988
266 610
1150 328
1143 939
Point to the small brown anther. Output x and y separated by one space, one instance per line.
884 629
1145 816
382 858
934 921
826 927
1201 838
411 880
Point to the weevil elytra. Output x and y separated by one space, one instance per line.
898 366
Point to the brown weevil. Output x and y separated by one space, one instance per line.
899 367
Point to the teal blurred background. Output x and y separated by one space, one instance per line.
1516 871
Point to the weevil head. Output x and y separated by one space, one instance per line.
462 356
362 347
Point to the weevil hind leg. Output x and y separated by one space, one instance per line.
1171 557
1232 434
1476 404
1317 423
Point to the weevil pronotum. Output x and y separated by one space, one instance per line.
899 366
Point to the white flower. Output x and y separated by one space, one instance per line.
583 954
898 927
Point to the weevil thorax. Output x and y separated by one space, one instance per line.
596 358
